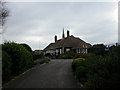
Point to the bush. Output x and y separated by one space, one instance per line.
95 81
27 47
98 49
37 56
76 62
45 60
21 58
67 55
81 73
6 66
99 71
83 55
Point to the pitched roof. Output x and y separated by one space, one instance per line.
50 46
70 41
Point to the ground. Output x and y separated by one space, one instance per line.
56 74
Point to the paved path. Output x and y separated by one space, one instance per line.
56 74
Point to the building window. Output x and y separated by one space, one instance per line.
60 51
67 49
83 46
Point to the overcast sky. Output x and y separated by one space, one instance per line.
36 23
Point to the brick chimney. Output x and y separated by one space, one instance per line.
55 38
63 35
68 33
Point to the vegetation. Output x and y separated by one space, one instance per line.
27 47
6 66
42 60
67 55
37 56
84 55
76 62
98 49
16 59
98 71
4 13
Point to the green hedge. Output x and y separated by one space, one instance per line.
27 47
6 66
67 55
98 71
76 62
21 58
72 55
83 55
37 56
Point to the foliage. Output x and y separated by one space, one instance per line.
67 55
98 49
21 58
76 62
45 60
42 60
18 58
37 56
99 71
6 66
72 55
83 55
4 12
27 47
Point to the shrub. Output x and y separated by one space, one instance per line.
76 62
37 56
6 66
83 55
98 49
67 55
21 58
27 47
99 71
95 81
81 73
42 60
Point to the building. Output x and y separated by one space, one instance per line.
38 51
65 44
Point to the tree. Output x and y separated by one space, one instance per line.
4 13
22 59
98 49
27 47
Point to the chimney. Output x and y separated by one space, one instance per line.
63 35
68 33
55 38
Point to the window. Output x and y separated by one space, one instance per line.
67 49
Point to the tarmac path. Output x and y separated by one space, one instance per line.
56 74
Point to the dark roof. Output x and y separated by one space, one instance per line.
50 46
70 41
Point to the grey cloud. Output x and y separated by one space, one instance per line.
41 21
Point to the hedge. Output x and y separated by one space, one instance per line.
21 58
98 71
6 66
67 55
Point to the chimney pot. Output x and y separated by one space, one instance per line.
68 33
55 38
